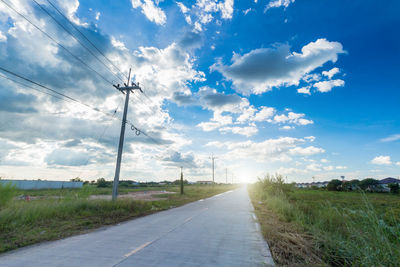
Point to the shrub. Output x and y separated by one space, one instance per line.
101 182
394 188
334 185
7 192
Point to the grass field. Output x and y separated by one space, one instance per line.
59 213
315 227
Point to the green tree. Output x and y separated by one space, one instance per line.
77 179
368 184
334 185
101 182
394 188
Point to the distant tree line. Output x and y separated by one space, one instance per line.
368 184
101 182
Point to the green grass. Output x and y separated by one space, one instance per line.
27 222
345 228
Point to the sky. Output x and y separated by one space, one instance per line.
300 88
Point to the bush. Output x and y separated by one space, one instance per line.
394 188
7 192
334 185
275 185
101 182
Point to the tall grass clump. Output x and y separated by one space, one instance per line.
7 192
345 235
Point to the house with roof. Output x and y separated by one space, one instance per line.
384 183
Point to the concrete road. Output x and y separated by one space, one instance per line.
218 231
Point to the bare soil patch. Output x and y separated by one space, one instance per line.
141 195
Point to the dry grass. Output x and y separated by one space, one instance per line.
289 245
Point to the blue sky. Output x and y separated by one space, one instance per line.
302 88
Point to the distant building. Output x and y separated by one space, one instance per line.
38 184
309 185
384 183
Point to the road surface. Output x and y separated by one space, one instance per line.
218 231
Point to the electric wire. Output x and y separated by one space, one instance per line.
76 39
86 38
55 41
133 127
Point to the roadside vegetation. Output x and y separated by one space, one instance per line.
32 216
318 227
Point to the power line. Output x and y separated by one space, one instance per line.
83 45
87 39
60 45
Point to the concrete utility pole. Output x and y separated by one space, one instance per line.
125 90
213 158
181 181
226 175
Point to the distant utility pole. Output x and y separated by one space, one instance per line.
125 90
226 175
181 181
213 158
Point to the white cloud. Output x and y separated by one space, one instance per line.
202 12
310 138
306 151
391 138
278 3
3 38
150 10
398 163
326 86
304 90
246 131
341 167
118 44
270 150
216 122
183 8
287 127
314 167
262 69
331 72
292 117
381 160
226 9
247 11
97 15
324 160
264 114
328 168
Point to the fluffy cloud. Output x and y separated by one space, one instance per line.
162 72
292 117
262 69
203 12
304 90
150 10
246 131
326 86
306 151
278 3
381 160
240 112
331 72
